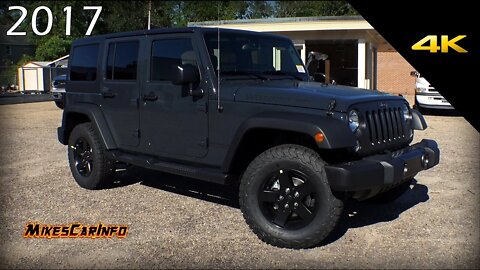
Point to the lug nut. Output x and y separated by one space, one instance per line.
295 205
286 205
296 194
287 190
280 198
275 206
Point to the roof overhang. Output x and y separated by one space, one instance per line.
309 28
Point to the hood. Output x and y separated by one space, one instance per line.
421 82
62 77
308 94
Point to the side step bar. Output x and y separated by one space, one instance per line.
205 174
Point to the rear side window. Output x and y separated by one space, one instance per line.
122 61
83 66
168 54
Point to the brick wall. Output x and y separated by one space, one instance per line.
394 74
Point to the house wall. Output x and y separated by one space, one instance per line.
394 74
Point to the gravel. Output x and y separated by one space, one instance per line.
176 222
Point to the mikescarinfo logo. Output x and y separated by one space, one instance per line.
74 230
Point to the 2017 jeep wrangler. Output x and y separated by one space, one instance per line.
227 106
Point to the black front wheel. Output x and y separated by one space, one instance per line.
90 166
286 199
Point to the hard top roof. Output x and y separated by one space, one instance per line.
167 31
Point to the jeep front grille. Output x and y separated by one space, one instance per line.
385 125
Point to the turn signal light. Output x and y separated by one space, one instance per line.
319 137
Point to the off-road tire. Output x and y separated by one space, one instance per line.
298 158
102 168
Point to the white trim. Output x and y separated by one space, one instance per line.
361 61
59 59
297 26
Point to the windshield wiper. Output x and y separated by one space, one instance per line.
251 73
279 72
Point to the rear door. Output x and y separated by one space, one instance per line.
120 90
173 123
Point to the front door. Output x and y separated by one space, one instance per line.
120 91
172 122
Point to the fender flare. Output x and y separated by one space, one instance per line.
336 132
418 122
95 116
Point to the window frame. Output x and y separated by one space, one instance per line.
160 37
72 57
105 63
207 35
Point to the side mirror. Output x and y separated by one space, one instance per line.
186 74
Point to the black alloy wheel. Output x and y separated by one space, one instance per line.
288 199
83 157
90 164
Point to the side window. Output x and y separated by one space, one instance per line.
83 65
122 61
167 55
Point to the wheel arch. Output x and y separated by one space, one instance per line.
267 130
78 114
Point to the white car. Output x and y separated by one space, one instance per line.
426 97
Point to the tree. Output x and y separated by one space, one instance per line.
125 16
53 47
313 8
259 9
193 11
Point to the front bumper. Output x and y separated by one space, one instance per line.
58 96
432 101
375 173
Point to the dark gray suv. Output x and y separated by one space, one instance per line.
231 106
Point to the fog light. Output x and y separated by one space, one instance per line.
405 168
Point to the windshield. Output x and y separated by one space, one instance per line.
261 57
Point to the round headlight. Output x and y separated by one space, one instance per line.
407 115
353 121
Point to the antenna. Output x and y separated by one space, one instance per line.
149 11
219 106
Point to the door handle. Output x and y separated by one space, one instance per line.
108 94
150 97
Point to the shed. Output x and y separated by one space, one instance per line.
37 76
31 76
